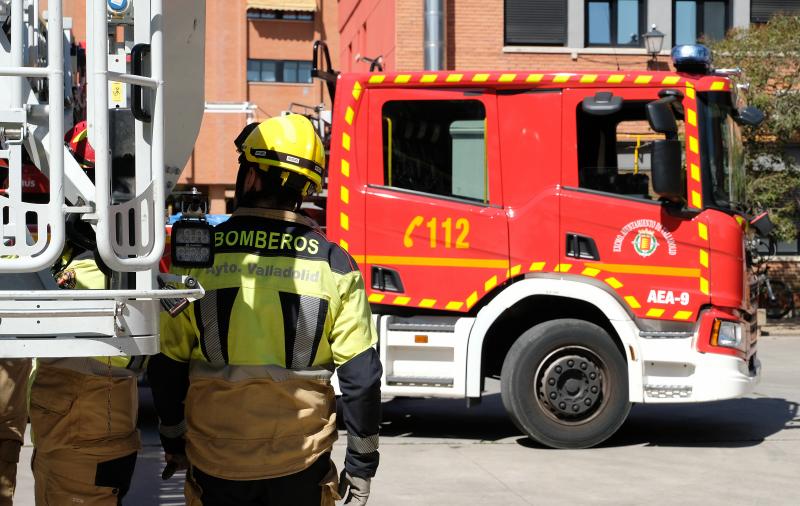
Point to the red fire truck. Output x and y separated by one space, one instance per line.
578 235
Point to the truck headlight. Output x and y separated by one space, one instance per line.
728 334
192 243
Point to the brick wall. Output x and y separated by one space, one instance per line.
787 269
230 40
213 161
474 39
366 29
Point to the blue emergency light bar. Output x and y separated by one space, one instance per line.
692 58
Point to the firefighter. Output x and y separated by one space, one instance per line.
83 410
13 418
250 363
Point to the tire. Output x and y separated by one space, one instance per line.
578 364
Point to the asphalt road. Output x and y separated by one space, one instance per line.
438 452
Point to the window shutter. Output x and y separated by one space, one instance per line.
536 22
762 10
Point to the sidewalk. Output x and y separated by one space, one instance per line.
784 327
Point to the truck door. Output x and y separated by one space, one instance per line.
613 227
437 236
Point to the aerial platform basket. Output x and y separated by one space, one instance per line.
36 318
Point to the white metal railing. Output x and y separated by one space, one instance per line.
113 221
18 255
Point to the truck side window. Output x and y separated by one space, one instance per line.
614 151
436 146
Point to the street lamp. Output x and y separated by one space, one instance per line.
653 41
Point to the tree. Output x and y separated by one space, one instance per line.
769 56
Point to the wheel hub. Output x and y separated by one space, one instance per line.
572 386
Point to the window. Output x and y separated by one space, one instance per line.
278 71
536 22
614 151
285 15
762 10
614 23
698 19
436 147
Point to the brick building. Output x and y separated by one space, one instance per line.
537 34
257 63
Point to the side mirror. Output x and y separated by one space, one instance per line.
763 225
666 170
750 116
661 118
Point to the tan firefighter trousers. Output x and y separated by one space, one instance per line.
13 419
257 428
85 437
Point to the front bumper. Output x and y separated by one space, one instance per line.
673 370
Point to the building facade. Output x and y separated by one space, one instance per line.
257 64
537 34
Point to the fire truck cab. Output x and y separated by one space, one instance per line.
578 235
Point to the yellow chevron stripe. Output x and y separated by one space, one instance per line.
357 90
590 271
632 302
697 200
427 303
704 258
702 231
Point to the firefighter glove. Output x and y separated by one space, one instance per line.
358 486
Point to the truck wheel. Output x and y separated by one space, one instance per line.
564 383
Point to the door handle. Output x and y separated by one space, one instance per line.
386 279
581 246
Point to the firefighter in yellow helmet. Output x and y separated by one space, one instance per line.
83 410
250 363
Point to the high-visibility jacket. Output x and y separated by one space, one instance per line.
283 308
82 273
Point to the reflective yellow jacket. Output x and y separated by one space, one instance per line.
282 303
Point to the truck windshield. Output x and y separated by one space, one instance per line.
722 154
